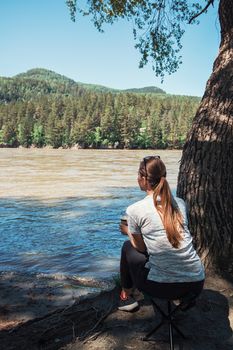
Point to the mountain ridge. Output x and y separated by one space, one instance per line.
49 75
42 108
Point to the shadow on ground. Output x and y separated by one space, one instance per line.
95 323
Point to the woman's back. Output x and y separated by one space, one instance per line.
166 263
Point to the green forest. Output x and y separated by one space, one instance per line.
42 108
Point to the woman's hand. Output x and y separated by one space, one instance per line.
124 229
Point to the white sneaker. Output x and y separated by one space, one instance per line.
127 304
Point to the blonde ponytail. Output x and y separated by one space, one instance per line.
169 212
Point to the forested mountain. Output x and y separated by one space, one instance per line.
37 82
41 108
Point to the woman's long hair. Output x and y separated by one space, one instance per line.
155 172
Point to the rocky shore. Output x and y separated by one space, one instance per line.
25 297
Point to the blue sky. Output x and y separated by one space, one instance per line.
40 34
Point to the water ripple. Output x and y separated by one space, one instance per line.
60 211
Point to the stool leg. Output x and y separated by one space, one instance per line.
168 318
147 336
171 337
178 331
170 325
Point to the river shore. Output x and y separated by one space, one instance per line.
52 320
80 147
24 297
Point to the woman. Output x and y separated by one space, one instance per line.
159 257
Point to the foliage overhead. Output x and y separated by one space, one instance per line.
158 25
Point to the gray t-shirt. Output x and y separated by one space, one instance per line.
166 263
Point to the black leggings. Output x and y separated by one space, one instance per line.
134 274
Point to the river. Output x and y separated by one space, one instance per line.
60 209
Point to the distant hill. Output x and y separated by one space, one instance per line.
38 82
44 74
146 90
143 90
42 108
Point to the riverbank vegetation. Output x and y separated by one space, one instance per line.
42 108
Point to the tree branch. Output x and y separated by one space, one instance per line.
210 2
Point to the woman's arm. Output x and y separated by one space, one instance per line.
136 240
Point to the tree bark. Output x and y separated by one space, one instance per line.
205 178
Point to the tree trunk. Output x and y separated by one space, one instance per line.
206 171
